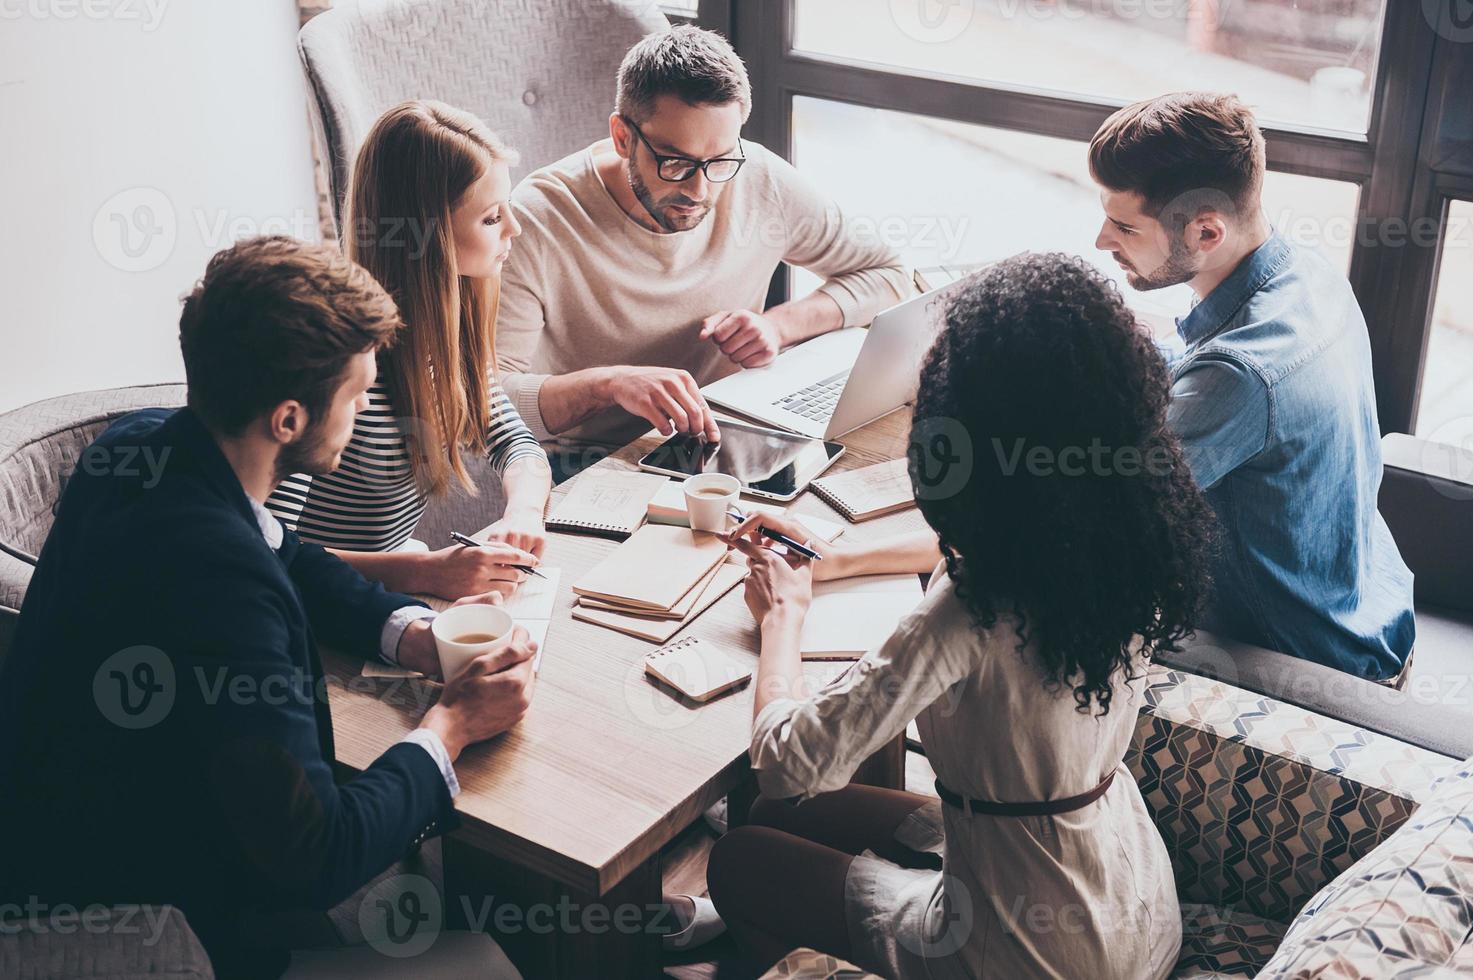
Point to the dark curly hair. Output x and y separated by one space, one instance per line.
1079 515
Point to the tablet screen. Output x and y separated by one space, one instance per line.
764 460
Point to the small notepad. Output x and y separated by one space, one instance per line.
868 491
697 669
608 503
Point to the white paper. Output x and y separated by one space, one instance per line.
852 616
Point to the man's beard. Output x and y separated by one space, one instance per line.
309 455
658 210
1176 270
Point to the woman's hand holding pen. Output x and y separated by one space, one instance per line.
832 565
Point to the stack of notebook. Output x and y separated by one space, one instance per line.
656 582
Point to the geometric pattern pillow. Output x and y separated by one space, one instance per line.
1260 802
1218 943
1404 910
808 964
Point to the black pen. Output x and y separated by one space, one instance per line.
471 542
786 541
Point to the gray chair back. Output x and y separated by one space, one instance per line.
540 73
40 445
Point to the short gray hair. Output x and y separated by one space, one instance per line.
697 66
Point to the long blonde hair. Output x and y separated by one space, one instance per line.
417 162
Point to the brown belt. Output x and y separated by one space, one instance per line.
1047 808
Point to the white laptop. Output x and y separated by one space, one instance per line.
838 381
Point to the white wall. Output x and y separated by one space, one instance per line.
137 138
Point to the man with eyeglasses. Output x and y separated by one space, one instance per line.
645 259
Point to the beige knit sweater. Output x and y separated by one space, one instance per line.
586 285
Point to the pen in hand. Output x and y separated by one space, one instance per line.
470 542
779 537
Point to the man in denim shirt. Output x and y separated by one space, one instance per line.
1273 398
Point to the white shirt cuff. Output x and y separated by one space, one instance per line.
394 627
431 743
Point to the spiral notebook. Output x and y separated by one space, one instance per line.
868 491
610 504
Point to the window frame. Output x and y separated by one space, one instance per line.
1398 186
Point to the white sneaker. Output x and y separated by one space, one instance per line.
701 922
715 817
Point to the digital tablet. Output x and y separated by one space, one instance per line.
768 462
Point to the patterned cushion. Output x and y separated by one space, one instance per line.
1218 942
1262 803
1404 910
807 964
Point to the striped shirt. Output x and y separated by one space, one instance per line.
371 502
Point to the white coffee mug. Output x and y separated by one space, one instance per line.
708 496
489 626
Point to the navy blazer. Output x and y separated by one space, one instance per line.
163 715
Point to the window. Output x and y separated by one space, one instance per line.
944 192
1306 63
1446 405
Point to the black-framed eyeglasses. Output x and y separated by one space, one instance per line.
675 170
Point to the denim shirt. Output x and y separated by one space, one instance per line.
1275 407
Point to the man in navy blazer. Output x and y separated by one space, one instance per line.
164 718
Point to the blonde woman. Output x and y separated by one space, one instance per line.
427 214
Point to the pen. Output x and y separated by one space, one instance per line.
471 542
783 539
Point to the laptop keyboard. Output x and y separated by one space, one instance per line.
818 400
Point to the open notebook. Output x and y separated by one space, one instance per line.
608 503
869 491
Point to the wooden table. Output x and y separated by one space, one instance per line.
565 815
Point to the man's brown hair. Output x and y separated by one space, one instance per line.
698 67
1187 143
276 319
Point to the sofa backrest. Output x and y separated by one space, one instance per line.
1262 803
1427 501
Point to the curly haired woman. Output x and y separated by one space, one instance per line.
1074 552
